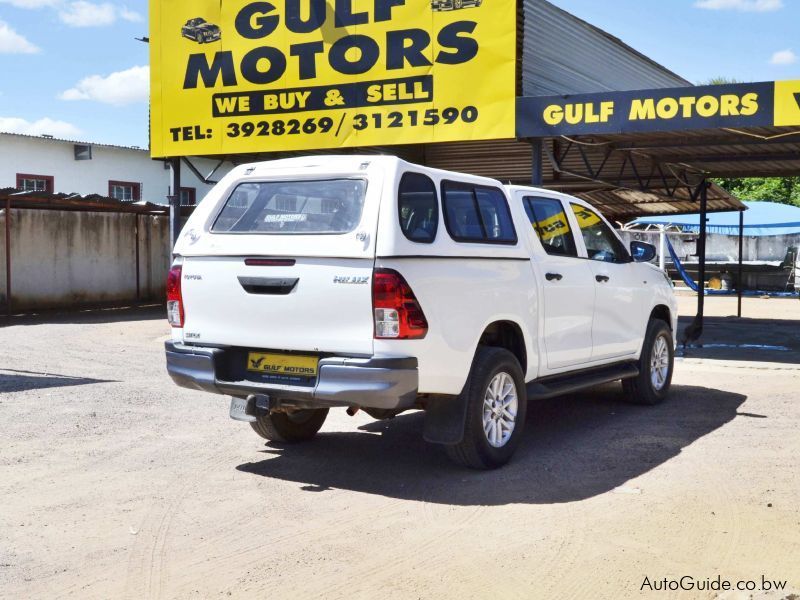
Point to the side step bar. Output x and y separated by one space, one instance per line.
558 385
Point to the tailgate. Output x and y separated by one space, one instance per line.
313 305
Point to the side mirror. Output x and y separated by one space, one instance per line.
642 251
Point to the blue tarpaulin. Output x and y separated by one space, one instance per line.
690 283
760 218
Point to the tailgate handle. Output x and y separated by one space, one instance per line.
276 286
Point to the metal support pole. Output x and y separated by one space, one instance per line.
701 250
537 174
175 203
695 329
136 242
662 248
8 257
740 278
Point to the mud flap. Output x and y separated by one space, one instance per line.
445 418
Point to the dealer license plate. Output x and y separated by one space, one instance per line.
287 365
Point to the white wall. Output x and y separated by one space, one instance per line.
43 156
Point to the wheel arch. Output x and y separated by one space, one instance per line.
506 334
661 312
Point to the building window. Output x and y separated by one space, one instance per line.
285 203
34 183
83 152
188 196
125 190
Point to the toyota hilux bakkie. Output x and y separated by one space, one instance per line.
369 283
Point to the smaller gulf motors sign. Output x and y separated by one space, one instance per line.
769 104
232 76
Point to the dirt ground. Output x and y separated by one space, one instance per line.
116 484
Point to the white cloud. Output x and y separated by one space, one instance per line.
82 13
31 3
783 58
740 5
13 43
45 126
119 88
87 14
129 15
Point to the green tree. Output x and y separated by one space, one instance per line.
785 190
719 81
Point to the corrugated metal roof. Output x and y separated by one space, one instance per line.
76 202
623 205
48 138
563 54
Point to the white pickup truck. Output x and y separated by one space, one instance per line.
369 283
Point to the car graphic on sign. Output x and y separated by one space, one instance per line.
201 31
442 5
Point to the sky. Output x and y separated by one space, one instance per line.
73 68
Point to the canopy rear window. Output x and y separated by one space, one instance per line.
328 206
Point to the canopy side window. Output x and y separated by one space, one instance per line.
418 208
477 214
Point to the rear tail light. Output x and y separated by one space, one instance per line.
174 298
398 315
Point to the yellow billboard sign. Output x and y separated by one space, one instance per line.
787 103
232 76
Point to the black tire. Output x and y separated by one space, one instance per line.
299 426
641 389
458 4
475 450
199 38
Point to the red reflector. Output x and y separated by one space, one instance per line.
270 262
174 297
396 311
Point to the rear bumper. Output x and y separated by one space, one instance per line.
388 383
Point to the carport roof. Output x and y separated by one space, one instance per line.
646 152
634 174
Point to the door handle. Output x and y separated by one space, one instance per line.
601 278
273 286
553 276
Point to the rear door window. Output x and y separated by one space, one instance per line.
477 214
418 208
551 225
293 207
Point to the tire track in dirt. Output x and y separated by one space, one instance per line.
437 526
237 558
145 573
